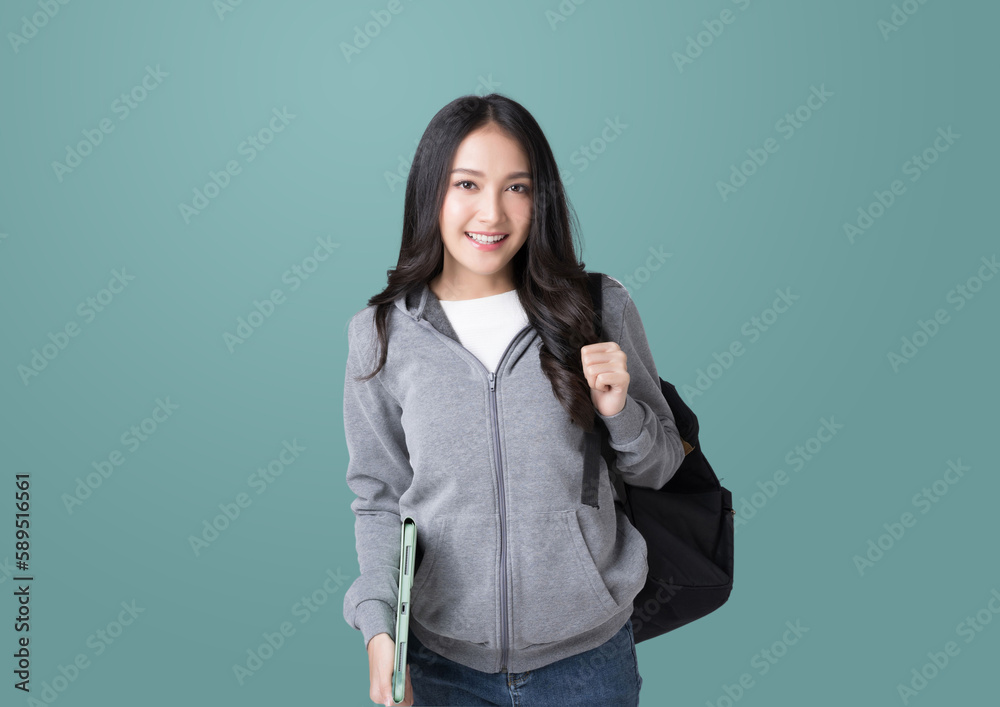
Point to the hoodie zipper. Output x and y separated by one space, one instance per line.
503 523
494 420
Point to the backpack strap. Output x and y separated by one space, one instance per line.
597 442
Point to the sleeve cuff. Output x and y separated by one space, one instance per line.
626 425
374 616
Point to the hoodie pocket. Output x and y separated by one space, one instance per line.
558 590
454 593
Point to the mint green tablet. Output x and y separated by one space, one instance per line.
407 550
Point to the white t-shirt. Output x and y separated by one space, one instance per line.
486 325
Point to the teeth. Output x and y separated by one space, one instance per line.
485 239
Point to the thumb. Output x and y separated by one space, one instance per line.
381 659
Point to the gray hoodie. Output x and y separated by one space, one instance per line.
514 571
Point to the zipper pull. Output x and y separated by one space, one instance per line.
492 380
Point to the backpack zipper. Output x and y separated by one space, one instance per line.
494 420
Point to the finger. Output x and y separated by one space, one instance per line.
596 355
383 691
383 674
605 357
609 380
598 370
615 364
600 347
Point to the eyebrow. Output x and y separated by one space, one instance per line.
512 175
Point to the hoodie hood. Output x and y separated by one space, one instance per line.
423 304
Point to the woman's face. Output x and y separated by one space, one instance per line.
489 192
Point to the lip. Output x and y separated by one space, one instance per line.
488 233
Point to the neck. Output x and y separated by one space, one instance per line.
448 290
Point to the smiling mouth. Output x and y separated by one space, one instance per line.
485 240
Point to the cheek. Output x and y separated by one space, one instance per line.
524 213
452 213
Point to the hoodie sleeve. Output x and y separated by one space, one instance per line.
378 472
643 433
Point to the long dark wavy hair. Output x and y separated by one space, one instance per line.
550 278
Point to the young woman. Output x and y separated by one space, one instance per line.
471 381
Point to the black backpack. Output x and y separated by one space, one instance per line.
687 524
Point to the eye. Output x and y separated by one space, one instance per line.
524 187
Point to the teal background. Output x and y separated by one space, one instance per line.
654 187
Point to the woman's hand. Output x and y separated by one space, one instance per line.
604 367
381 655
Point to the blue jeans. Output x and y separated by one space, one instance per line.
606 675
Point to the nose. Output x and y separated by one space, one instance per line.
490 207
